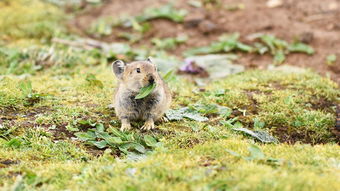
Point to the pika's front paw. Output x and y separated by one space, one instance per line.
148 125
125 127
164 119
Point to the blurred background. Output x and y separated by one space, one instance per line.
255 33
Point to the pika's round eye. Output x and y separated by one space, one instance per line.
138 70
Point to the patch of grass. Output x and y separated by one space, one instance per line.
26 19
193 155
206 166
285 102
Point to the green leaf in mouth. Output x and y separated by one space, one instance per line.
145 91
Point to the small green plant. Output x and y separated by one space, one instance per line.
279 48
164 12
226 43
331 59
256 154
93 81
123 141
169 43
102 26
29 95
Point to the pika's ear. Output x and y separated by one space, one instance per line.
149 59
118 67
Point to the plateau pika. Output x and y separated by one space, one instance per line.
131 78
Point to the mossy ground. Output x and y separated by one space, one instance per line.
38 150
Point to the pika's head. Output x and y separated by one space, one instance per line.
135 75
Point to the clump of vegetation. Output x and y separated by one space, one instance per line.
169 43
226 43
276 47
279 48
20 19
165 12
103 26
33 59
117 140
331 59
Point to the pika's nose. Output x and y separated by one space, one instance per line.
151 80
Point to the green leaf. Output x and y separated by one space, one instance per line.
258 124
92 80
102 135
145 91
260 48
70 127
255 153
86 136
150 141
14 143
331 59
300 47
26 87
126 147
234 153
279 57
169 76
117 133
238 125
100 144
244 47
166 12
259 135
114 141
99 127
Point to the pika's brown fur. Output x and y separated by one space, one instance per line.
131 78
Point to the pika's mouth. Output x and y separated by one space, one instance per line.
151 80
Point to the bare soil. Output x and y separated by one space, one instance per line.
313 21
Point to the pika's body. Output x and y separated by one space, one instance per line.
131 78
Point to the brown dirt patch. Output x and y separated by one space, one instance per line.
311 21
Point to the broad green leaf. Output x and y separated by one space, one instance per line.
117 133
279 57
300 47
86 136
169 76
238 125
255 153
258 124
113 141
150 141
259 135
234 153
100 144
99 127
126 147
71 128
145 91
166 12
244 47
331 59
102 135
